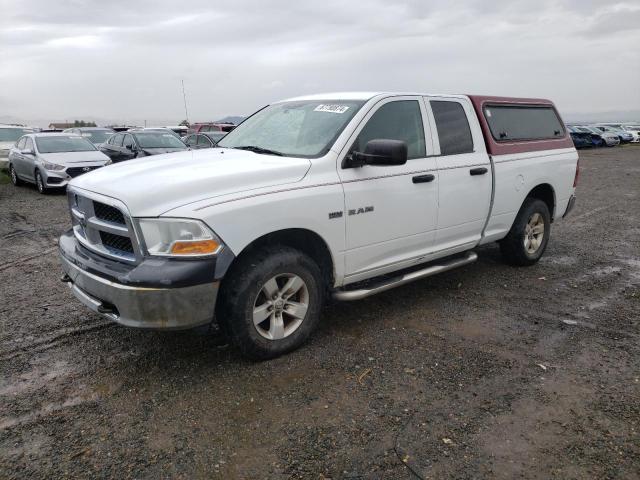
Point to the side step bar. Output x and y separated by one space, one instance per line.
347 295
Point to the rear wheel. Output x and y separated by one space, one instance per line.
270 303
529 234
14 176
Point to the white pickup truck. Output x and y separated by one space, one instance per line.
342 195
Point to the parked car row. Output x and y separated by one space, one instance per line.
9 135
51 160
604 134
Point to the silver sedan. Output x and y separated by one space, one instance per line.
50 160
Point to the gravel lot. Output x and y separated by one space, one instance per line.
487 371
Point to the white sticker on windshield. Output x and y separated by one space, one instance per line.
331 108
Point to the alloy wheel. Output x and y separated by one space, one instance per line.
534 233
39 182
281 306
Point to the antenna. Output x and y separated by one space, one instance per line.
184 97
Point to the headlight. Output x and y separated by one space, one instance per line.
178 237
108 162
52 166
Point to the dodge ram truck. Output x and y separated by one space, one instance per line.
341 195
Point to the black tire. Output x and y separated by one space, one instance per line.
513 246
40 185
14 176
243 288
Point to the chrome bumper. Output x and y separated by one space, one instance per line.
141 307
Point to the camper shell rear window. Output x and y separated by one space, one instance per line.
510 123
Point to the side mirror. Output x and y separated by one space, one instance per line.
381 152
26 151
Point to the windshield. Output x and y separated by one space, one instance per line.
97 136
13 134
300 129
633 128
64 144
159 140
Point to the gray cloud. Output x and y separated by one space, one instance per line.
124 60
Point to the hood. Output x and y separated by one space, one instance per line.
158 151
68 158
151 186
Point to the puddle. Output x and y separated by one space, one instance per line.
564 260
47 409
604 271
35 379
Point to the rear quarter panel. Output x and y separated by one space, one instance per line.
520 166
516 175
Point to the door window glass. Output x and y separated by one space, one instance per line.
453 127
128 142
28 144
203 141
399 120
21 143
117 140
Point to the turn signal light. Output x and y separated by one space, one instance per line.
195 247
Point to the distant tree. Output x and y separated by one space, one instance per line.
184 123
82 123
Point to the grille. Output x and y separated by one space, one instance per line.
116 242
108 213
75 171
104 228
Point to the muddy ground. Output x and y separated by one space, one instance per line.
487 371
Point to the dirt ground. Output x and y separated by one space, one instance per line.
487 371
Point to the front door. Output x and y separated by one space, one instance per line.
391 211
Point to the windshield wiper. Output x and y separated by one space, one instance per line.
255 149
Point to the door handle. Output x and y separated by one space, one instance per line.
423 178
478 171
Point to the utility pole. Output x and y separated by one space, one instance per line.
184 97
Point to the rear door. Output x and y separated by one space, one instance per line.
464 171
390 211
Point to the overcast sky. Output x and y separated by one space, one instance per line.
124 60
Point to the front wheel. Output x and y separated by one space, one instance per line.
527 240
42 188
270 303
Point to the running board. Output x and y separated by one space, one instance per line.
347 295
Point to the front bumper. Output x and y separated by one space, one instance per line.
156 294
61 178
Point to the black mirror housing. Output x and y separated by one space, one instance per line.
382 152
